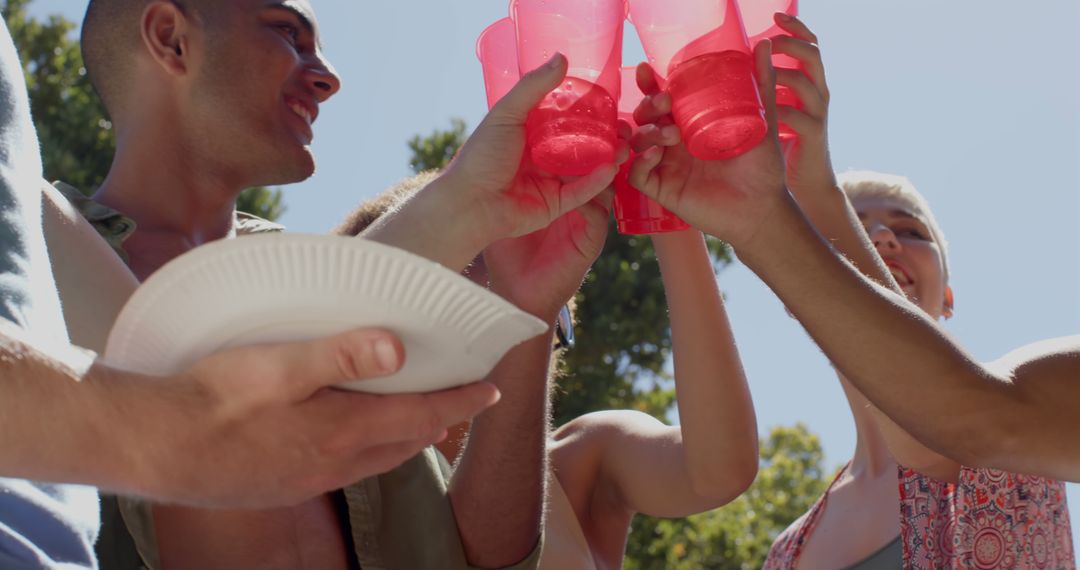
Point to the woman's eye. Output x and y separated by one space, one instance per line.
911 233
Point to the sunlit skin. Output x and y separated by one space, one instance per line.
204 129
598 461
860 513
861 508
902 238
243 116
221 106
1018 414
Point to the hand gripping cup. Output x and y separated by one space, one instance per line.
573 130
701 48
636 213
497 50
758 19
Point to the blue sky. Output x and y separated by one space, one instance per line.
976 102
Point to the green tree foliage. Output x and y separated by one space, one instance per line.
623 335
77 138
434 151
738 536
266 203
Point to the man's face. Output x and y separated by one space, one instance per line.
258 89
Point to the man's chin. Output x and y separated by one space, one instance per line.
296 168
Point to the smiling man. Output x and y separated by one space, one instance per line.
65 420
209 98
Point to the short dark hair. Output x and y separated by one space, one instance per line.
109 39
370 210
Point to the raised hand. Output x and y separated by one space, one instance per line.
517 197
809 167
727 198
540 271
491 190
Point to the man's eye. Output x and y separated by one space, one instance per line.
291 31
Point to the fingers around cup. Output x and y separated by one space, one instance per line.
655 135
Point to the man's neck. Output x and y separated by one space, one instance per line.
176 204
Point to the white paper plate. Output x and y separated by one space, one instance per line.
285 287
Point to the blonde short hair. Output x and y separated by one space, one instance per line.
869 184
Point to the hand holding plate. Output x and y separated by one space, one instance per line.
257 426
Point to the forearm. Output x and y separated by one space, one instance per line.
831 214
433 227
888 348
719 429
65 422
498 487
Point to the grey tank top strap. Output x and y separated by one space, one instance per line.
889 557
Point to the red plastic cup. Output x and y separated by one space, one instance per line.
497 50
573 129
636 213
701 48
758 18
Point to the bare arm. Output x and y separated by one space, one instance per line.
834 219
1023 420
213 437
66 450
666 471
719 429
636 459
1021 414
498 487
812 182
92 280
488 192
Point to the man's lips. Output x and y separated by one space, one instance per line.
303 109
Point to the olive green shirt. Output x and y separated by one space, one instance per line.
398 520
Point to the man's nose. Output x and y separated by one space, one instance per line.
323 79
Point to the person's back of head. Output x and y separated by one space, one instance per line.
385 202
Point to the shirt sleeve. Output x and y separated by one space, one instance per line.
41 525
20 214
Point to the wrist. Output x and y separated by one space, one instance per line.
546 311
120 418
435 225
452 193
822 188
668 244
779 228
158 416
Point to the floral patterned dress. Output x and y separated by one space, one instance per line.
988 519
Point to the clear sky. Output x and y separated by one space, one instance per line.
975 101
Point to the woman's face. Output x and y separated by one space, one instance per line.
902 237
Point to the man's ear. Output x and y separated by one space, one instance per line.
949 303
165 32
